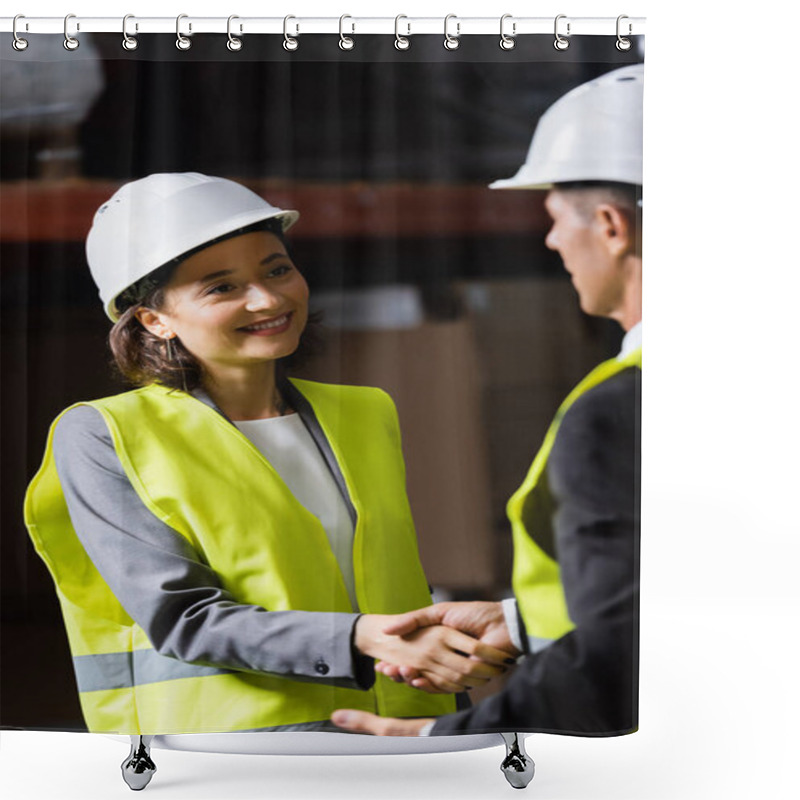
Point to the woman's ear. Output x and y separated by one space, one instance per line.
154 322
615 229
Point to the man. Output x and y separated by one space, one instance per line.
575 519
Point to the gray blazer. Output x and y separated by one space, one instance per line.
176 598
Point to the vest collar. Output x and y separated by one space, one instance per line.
299 403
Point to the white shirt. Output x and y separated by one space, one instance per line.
631 341
287 445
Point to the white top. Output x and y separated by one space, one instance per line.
631 341
287 445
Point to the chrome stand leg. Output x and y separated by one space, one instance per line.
138 768
518 766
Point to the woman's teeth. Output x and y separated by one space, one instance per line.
273 323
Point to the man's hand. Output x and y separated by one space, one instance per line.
364 722
450 661
481 620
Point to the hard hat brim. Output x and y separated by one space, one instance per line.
513 183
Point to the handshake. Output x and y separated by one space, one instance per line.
447 647
443 648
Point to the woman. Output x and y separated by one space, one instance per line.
226 543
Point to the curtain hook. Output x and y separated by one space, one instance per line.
622 43
451 42
346 42
289 43
129 42
70 42
234 43
19 43
561 43
182 42
401 42
507 42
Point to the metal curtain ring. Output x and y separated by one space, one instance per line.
19 43
129 42
622 43
507 42
234 44
451 42
561 43
70 42
290 43
346 42
401 42
182 42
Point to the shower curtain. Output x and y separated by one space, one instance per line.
429 285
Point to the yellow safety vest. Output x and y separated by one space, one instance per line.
536 576
201 476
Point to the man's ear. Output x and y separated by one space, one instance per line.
615 228
154 322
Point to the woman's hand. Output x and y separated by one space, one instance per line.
364 722
449 660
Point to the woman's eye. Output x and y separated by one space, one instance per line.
220 288
280 270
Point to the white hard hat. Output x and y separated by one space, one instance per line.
151 221
593 133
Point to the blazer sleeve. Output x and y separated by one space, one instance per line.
586 682
176 598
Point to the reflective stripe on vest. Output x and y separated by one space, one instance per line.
201 476
117 670
536 578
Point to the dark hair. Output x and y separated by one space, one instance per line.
143 358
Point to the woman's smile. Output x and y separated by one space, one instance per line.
269 327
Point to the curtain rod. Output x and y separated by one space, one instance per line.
561 26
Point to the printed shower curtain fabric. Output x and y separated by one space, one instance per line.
162 521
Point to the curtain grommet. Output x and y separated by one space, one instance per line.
451 42
346 42
560 43
182 42
70 42
401 42
129 42
289 42
623 44
19 44
507 41
234 43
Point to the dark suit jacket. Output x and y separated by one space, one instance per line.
585 683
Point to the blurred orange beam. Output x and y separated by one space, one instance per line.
62 211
